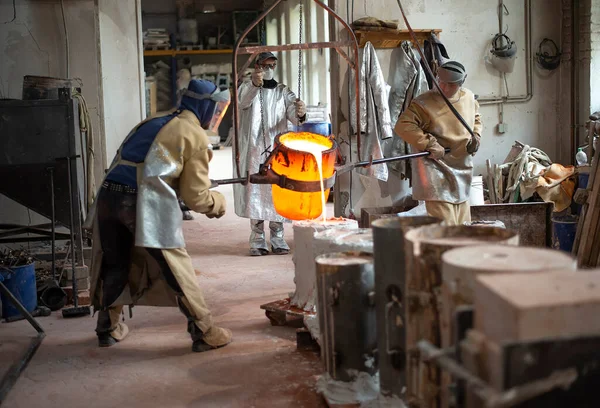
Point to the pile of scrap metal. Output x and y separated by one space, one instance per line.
528 171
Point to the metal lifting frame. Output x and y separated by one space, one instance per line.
255 50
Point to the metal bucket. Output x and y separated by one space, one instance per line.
345 285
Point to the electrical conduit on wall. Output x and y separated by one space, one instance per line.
491 100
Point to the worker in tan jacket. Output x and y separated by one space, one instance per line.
443 180
139 255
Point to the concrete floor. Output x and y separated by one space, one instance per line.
154 366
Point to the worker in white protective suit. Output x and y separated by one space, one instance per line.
139 255
443 180
265 107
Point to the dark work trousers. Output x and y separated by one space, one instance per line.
116 211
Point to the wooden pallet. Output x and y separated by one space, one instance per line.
282 313
305 341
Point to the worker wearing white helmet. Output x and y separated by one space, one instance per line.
443 180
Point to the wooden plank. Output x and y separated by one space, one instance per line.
589 224
282 313
522 307
391 38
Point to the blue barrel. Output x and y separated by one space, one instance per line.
319 128
563 234
20 281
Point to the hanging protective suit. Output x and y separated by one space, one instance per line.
435 56
407 82
139 255
265 108
443 182
375 120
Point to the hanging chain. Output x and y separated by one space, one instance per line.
300 56
260 92
262 120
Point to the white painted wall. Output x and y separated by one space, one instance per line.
104 45
121 69
34 44
468 27
282 26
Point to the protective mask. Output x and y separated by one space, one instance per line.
268 74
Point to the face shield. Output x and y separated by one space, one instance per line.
221 100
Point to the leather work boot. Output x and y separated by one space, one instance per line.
214 338
106 340
106 336
115 336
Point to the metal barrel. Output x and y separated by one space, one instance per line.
391 281
345 285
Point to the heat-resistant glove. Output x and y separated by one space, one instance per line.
473 145
257 77
300 108
436 150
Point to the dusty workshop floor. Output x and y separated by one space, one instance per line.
154 366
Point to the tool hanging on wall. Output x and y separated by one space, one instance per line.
504 53
548 60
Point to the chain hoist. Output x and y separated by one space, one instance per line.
261 99
300 54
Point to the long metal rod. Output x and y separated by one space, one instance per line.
7 293
341 169
53 220
246 65
491 397
236 51
32 239
15 370
392 159
574 79
237 180
72 236
12 375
